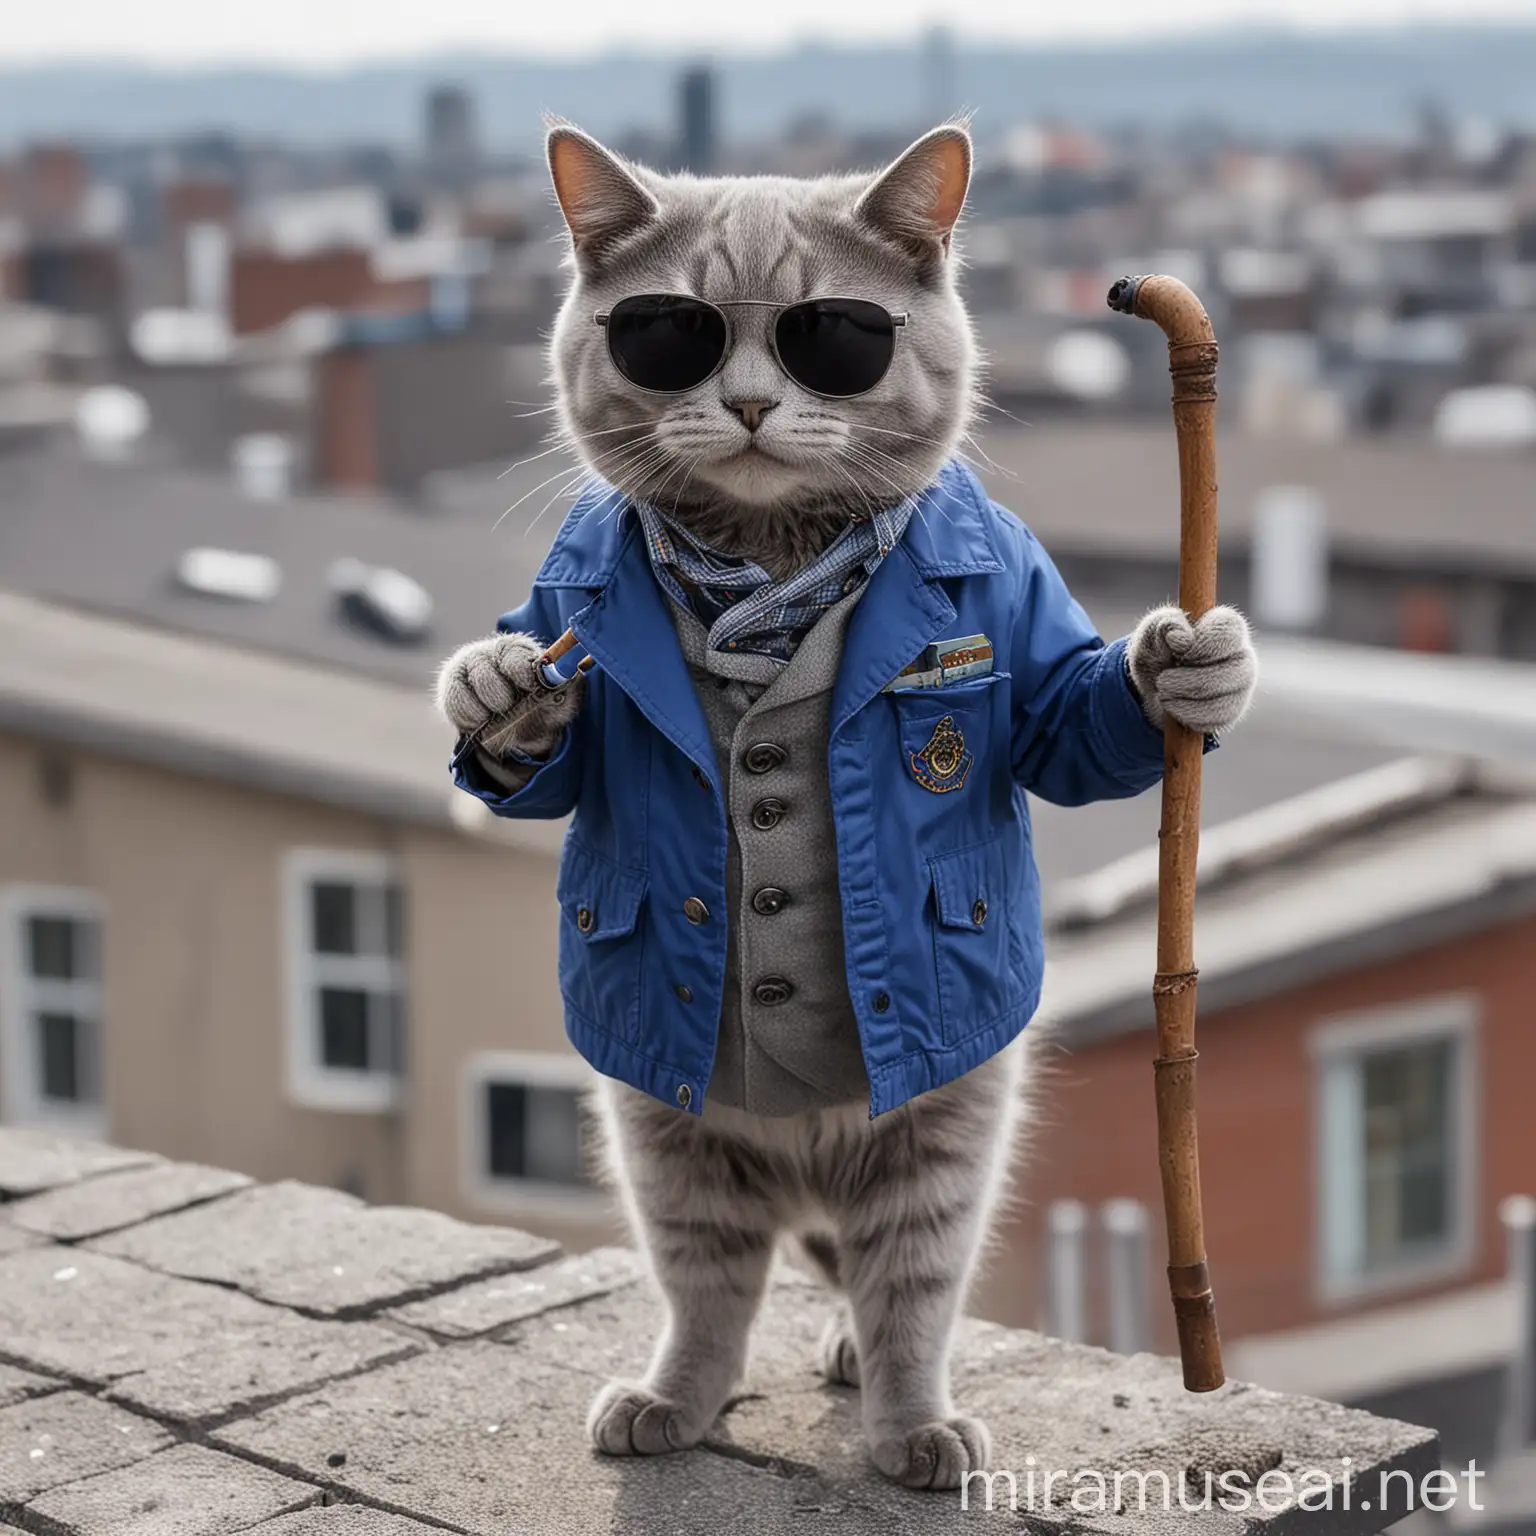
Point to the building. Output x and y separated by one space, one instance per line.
696 104
247 921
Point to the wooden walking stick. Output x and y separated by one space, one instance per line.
1192 358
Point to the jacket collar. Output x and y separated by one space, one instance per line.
950 534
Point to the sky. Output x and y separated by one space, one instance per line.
324 34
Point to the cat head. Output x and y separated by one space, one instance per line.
749 441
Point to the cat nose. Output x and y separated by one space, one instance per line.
751 412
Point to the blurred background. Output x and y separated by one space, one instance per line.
274 425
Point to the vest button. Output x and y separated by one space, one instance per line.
882 1002
695 910
584 919
764 757
767 814
684 1095
979 912
770 900
773 990
684 992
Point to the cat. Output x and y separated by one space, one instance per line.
893 1210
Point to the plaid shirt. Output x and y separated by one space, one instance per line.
744 609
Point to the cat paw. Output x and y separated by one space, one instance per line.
936 1455
492 686
839 1354
1203 674
627 1419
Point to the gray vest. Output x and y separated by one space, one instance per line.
788 1037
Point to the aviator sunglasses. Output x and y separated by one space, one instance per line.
667 343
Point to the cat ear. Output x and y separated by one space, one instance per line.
598 194
918 197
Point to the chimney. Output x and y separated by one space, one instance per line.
1066 1273
1289 575
263 465
1518 1431
1126 1259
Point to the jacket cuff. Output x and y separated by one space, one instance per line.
473 774
1127 740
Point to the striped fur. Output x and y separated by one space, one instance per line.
895 1209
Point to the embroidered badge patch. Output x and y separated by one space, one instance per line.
944 762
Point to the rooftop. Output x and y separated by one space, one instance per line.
185 1353
1373 866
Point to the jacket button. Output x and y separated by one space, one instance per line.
979 912
764 757
695 910
684 992
684 1095
773 990
767 814
882 1002
770 900
584 919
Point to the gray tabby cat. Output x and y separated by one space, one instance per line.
894 1210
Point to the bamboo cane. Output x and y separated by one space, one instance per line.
1192 357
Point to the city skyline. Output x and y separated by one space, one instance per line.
288 33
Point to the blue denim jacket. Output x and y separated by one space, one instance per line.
940 894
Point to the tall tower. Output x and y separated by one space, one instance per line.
696 104
452 138
940 75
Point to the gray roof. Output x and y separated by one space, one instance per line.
106 537
1398 501
224 712
1415 853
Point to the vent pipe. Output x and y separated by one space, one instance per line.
1066 1274
1518 1213
1127 1257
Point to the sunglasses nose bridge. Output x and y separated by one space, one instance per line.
751 382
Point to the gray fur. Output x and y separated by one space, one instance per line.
897 1208
894 1210
783 492
1203 674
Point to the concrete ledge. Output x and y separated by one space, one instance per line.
286 1361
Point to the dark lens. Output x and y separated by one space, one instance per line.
665 343
836 346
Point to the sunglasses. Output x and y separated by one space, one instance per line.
666 343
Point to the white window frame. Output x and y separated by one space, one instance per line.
21 1102
310 1083
521 1197
1342 1040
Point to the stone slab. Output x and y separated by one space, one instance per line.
183 1351
62 1438
488 1305
13 1239
324 1252
116 1200
32 1161
472 1438
612 1334
343 1520
16 1385
185 1491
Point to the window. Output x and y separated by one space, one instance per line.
50 1010
344 919
1396 1176
527 1137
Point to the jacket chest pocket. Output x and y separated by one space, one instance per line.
972 952
602 939
946 733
